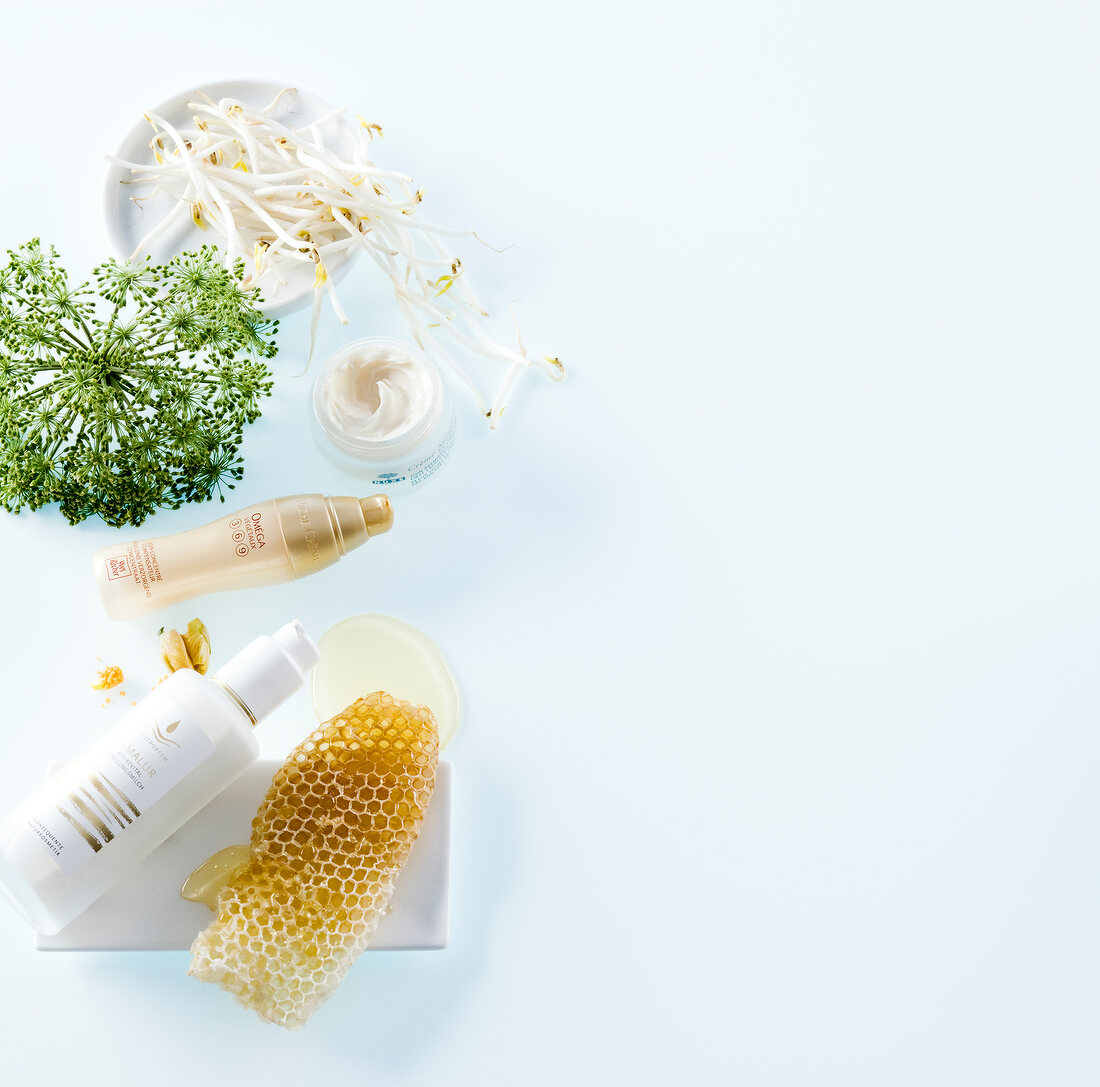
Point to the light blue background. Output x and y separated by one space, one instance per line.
777 625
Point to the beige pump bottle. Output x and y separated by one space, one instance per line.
266 544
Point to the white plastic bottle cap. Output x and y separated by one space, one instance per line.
264 674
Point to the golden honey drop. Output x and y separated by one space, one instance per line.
206 882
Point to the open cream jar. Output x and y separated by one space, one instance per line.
382 414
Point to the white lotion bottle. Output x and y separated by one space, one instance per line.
100 815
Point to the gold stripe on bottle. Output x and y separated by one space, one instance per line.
122 796
236 698
105 831
116 809
105 812
90 838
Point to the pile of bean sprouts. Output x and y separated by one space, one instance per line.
279 196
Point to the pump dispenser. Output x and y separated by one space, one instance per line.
100 815
272 542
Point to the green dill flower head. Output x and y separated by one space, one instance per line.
132 396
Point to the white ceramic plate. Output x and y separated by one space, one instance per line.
127 223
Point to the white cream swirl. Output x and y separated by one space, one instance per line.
376 392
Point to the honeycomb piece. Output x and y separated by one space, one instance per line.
327 844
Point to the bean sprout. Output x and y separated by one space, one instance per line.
279 197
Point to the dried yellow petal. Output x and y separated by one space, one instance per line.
196 640
188 650
173 651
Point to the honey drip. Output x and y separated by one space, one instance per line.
207 881
328 842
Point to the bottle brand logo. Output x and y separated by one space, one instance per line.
117 567
247 533
309 533
162 733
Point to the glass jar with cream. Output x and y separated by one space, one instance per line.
382 414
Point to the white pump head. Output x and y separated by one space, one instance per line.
264 674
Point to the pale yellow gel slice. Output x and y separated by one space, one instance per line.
379 653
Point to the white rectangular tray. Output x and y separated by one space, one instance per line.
144 912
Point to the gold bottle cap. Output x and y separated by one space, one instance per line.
377 513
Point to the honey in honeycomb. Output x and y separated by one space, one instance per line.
330 837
